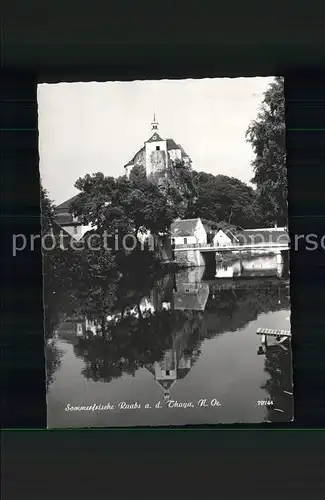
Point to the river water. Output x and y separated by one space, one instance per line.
186 352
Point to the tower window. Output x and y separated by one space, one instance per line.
157 148
167 373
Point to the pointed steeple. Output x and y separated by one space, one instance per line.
154 124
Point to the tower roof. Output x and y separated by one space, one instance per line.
171 144
165 384
155 138
154 123
184 227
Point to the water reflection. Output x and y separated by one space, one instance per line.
193 337
278 364
256 266
53 357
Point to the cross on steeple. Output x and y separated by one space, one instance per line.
154 124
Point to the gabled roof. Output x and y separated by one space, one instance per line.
171 144
131 162
228 233
155 138
231 235
166 384
182 372
184 227
67 204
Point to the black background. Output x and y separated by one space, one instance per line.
64 41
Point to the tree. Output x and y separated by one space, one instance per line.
266 134
223 199
47 211
177 185
96 193
126 205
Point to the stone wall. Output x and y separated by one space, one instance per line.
158 162
189 258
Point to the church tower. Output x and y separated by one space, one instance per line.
155 151
157 154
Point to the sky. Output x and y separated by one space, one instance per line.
94 127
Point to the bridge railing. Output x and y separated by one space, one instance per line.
233 246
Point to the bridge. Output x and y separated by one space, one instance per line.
193 254
210 247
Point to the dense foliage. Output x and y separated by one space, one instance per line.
223 199
121 204
47 211
266 134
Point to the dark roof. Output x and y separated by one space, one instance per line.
171 144
131 162
166 384
231 235
182 372
184 227
67 204
155 138
266 235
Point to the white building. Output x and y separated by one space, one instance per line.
225 239
68 222
188 231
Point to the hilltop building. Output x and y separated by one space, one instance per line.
155 156
67 221
157 153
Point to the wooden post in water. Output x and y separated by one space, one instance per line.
264 342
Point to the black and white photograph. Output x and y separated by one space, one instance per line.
165 243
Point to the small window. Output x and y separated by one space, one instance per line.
185 241
167 373
75 229
157 148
